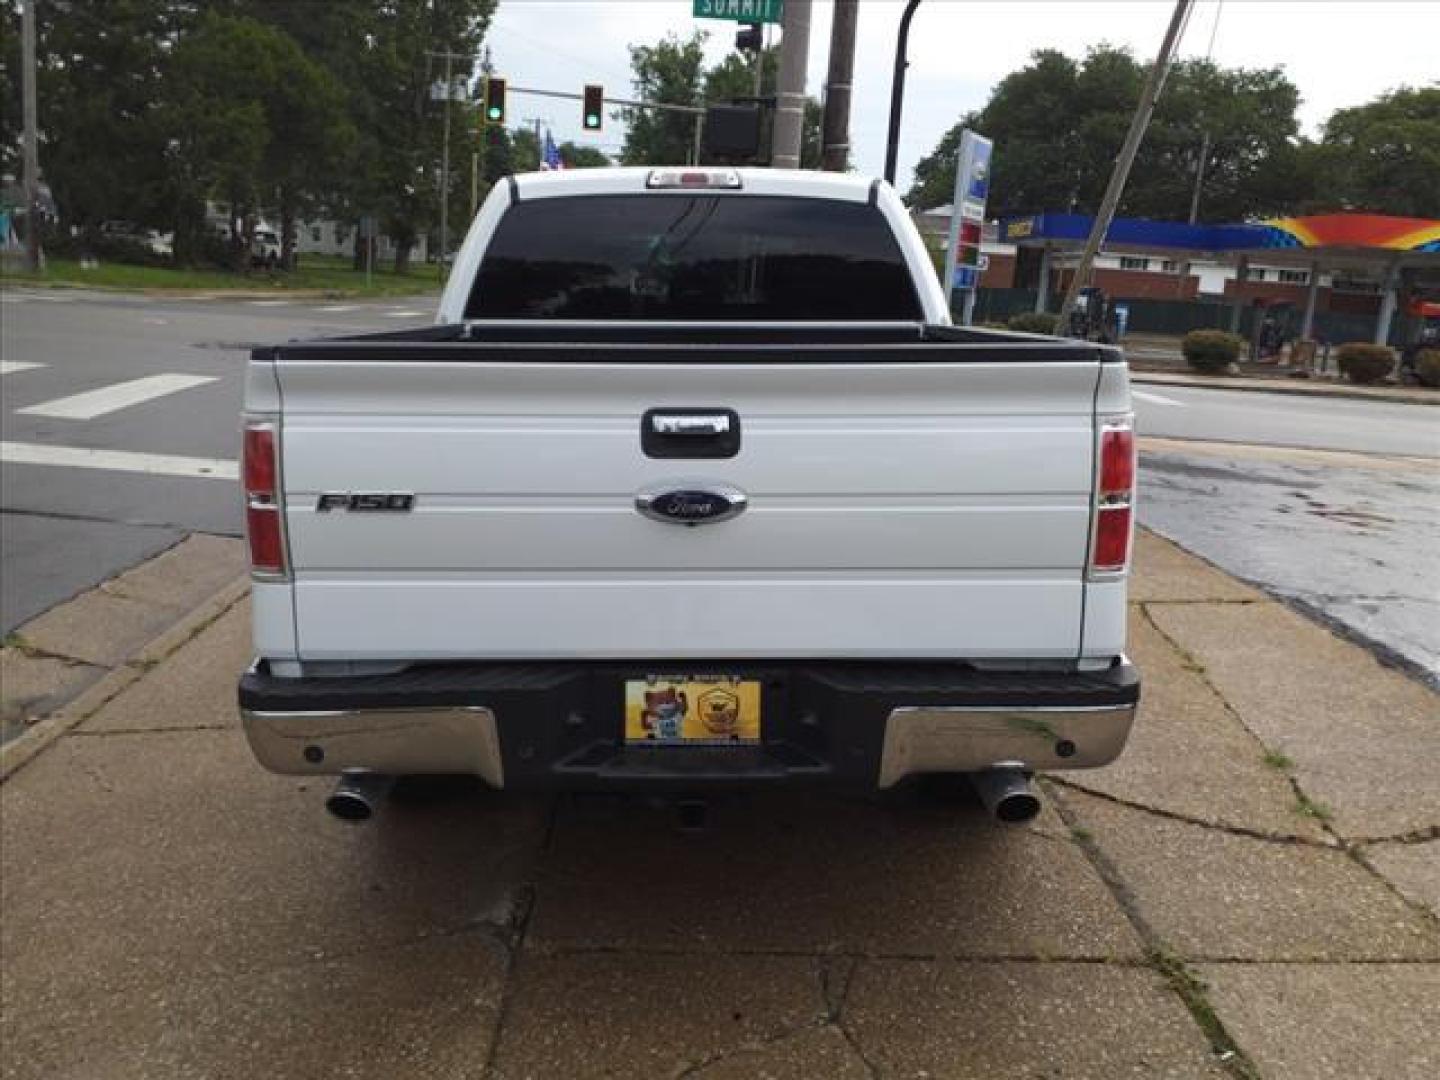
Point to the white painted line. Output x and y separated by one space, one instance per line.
404 314
341 307
11 367
80 457
108 399
268 303
8 298
1158 399
51 299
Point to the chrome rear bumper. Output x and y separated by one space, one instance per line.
558 726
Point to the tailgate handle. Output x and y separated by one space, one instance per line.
697 424
690 432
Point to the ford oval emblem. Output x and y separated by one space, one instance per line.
690 502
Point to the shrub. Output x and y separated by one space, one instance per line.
1034 322
1364 363
1211 350
1427 366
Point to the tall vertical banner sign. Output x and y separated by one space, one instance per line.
967 219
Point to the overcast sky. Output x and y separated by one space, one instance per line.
1339 53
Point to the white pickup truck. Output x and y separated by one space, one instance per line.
692 485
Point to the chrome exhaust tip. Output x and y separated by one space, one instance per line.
1006 792
358 795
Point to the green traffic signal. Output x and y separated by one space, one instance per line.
594 98
494 100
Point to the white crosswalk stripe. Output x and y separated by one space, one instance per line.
80 457
108 399
14 367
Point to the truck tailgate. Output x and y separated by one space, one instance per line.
895 509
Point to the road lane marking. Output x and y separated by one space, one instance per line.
404 314
80 457
50 299
108 399
1158 399
12 367
269 303
341 307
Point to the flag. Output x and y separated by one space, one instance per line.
550 159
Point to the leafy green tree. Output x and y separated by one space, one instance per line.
99 72
670 72
582 157
1058 124
1384 156
673 72
251 119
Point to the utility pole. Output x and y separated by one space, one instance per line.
32 153
1138 123
789 127
835 155
449 58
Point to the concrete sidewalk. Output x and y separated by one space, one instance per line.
1252 890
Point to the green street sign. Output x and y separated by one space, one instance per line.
745 11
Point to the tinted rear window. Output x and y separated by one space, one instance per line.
701 257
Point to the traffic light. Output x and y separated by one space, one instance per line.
749 38
968 252
494 100
594 112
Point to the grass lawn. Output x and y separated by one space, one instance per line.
327 274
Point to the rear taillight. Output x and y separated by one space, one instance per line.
1114 499
264 521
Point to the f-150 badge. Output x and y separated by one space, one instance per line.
373 502
690 502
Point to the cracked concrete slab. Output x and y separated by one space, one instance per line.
1363 737
111 622
983 1020
815 874
97 627
810 1052
194 687
1320 1021
1164 571
131 860
196 568
1188 755
32 686
627 1014
422 1009
1212 894
1413 868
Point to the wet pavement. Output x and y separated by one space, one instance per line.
1251 890
1348 538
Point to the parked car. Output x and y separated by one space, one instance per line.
150 241
692 485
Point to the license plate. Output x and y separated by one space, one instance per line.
694 711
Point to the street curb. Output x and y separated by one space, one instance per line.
1276 386
200 292
24 748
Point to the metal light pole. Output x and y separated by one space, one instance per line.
32 153
1138 123
789 128
897 91
835 154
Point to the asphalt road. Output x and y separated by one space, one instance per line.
68 528
1349 538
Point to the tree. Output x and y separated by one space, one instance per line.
1058 124
673 72
249 118
670 72
99 74
1384 156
